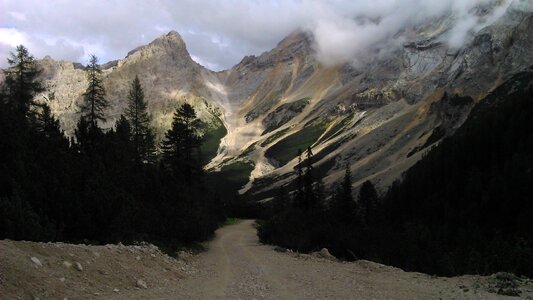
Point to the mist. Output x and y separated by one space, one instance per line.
219 33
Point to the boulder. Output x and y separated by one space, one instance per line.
78 266
36 261
141 284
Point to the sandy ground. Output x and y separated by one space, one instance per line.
236 266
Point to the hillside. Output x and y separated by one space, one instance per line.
374 115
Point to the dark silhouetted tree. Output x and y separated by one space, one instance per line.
299 196
368 202
181 144
21 82
309 191
141 131
94 97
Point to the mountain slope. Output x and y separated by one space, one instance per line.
378 115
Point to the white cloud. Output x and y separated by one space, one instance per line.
17 16
12 37
219 33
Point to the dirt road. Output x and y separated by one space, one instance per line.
235 266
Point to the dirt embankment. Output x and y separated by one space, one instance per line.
236 266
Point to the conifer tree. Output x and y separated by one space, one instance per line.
368 199
21 83
344 205
49 126
181 144
309 196
139 119
281 202
94 97
299 195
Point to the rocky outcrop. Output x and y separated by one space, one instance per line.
167 74
377 115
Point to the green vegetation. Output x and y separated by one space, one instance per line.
286 149
248 150
230 178
238 171
333 132
274 137
211 140
464 208
99 187
284 113
231 221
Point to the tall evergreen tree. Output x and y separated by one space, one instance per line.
309 196
368 199
49 125
94 97
299 194
181 144
345 206
137 115
21 83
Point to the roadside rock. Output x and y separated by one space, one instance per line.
36 261
141 284
79 267
324 253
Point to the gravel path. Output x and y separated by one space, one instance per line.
236 266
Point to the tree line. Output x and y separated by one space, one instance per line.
464 208
98 186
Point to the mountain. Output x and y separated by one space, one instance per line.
379 116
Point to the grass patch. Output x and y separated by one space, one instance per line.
171 248
333 132
274 137
287 149
283 114
211 141
230 178
231 221
248 150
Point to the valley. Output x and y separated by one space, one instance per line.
367 150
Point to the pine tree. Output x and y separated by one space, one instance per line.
347 185
309 196
344 205
123 142
21 83
181 144
368 199
49 126
94 96
137 115
299 195
281 202
320 192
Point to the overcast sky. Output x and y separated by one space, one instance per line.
218 33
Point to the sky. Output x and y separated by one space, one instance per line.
219 33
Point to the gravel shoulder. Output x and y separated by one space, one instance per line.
236 266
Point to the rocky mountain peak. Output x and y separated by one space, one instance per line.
170 45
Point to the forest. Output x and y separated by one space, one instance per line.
101 186
465 208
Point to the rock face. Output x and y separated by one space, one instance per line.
167 74
379 115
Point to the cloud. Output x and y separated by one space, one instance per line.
218 33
